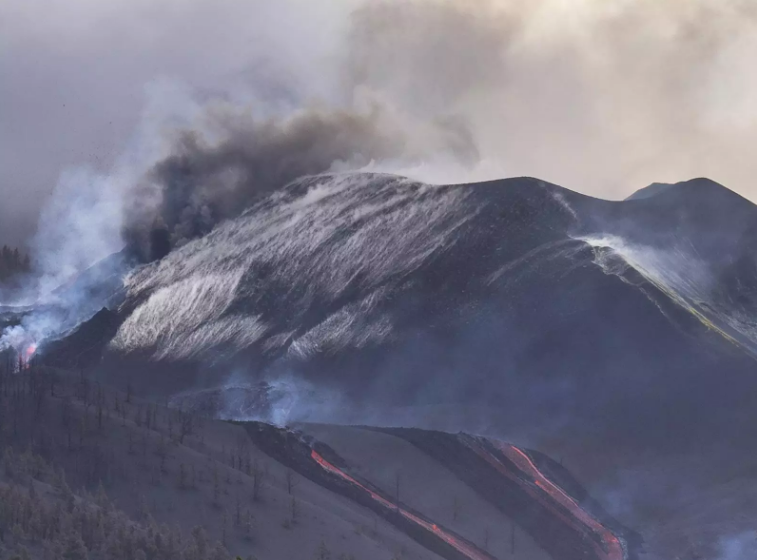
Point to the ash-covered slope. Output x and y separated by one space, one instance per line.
617 335
372 291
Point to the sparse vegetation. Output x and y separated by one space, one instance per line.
457 508
291 481
88 472
322 552
43 515
49 418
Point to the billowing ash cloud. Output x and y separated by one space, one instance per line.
599 96
594 97
219 167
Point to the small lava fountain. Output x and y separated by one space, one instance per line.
25 353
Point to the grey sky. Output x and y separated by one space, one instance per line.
73 77
602 96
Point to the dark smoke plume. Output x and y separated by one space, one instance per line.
602 96
215 173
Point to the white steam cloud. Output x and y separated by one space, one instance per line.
740 547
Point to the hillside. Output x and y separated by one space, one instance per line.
616 336
89 472
87 468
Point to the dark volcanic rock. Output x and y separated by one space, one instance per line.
83 346
556 309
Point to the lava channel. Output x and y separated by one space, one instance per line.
550 496
466 549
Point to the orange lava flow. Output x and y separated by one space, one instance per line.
30 350
611 547
462 547
612 543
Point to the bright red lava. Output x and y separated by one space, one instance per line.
462 547
610 549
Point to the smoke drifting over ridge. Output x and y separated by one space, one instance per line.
602 97
203 182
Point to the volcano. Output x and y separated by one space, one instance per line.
514 295
518 298
617 334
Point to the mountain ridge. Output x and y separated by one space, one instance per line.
597 330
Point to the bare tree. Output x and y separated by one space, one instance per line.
216 488
457 508
224 528
186 425
67 420
182 477
100 402
397 490
322 552
512 537
291 481
257 478
249 522
294 509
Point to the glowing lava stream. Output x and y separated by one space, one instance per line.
526 465
464 548
611 547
